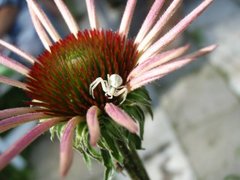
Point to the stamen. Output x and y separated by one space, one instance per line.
90 57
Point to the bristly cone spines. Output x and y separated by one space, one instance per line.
60 80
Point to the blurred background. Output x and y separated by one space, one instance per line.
195 133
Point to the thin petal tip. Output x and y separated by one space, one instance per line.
93 125
121 117
134 129
93 143
211 47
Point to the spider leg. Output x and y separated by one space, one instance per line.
109 96
122 92
95 83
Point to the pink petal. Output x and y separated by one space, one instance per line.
40 30
22 143
127 17
92 14
66 149
160 25
13 83
14 121
67 16
156 73
14 65
121 117
165 69
19 52
175 31
201 52
150 19
17 111
44 20
93 125
157 60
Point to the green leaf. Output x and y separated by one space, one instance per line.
114 151
113 129
57 130
137 113
140 98
135 140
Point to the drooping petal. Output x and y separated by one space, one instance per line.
66 149
17 111
19 52
121 117
160 25
93 125
12 82
14 65
165 69
92 14
22 143
150 19
156 73
44 20
201 52
67 16
127 17
158 60
175 31
14 121
40 30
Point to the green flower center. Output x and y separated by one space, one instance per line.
60 80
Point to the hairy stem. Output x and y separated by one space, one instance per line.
132 162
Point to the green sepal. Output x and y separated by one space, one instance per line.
81 143
135 140
57 130
141 98
107 151
138 114
111 145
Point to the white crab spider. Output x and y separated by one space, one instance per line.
111 87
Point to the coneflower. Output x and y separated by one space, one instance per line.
88 88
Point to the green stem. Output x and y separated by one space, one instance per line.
132 162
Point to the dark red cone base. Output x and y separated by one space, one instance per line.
60 80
